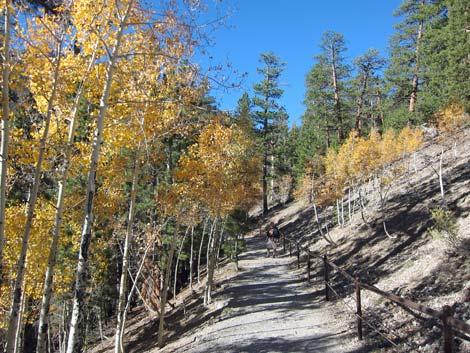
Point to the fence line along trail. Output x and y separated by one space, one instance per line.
269 307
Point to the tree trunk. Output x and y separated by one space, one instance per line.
47 290
342 211
349 205
178 261
415 81
200 251
5 127
337 98
75 342
360 103
338 212
163 299
19 328
191 255
125 258
273 194
209 267
220 242
20 270
441 183
265 163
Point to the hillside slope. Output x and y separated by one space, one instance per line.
411 263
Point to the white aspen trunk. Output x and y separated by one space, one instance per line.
455 149
342 211
210 240
19 328
213 257
178 261
118 348
361 206
74 344
220 242
210 252
349 205
163 299
49 339
5 135
191 259
316 218
62 330
131 293
441 184
100 326
47 289
200 251
383 201
135 288
338 212
354 203
21 266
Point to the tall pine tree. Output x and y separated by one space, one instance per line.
325 99
269 116
447 56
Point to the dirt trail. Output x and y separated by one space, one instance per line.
268 307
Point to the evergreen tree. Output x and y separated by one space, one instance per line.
243 113
366 86
447 56
404 74
325 99
269 115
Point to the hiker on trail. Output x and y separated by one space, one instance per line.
272 235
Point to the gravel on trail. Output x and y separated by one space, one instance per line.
268 306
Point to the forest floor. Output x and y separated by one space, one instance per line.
268 306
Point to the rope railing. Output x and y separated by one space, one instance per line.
445 316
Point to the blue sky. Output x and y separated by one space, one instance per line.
292 30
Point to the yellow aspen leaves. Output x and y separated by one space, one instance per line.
358 160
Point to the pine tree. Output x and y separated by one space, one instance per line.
405 72
269 115
447 58
325 98
243 113
366 87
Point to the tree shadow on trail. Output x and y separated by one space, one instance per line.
314 343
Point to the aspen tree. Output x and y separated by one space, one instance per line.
47 291
75 332
16 302
125 258
5 134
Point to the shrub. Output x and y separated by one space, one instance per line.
445 226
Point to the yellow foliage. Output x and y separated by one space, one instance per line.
357 160
452 118
217 174
38 251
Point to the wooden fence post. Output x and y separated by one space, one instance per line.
298 255
358 309
308 265
325 263
283 243
447 329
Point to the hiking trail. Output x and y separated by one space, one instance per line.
268 306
